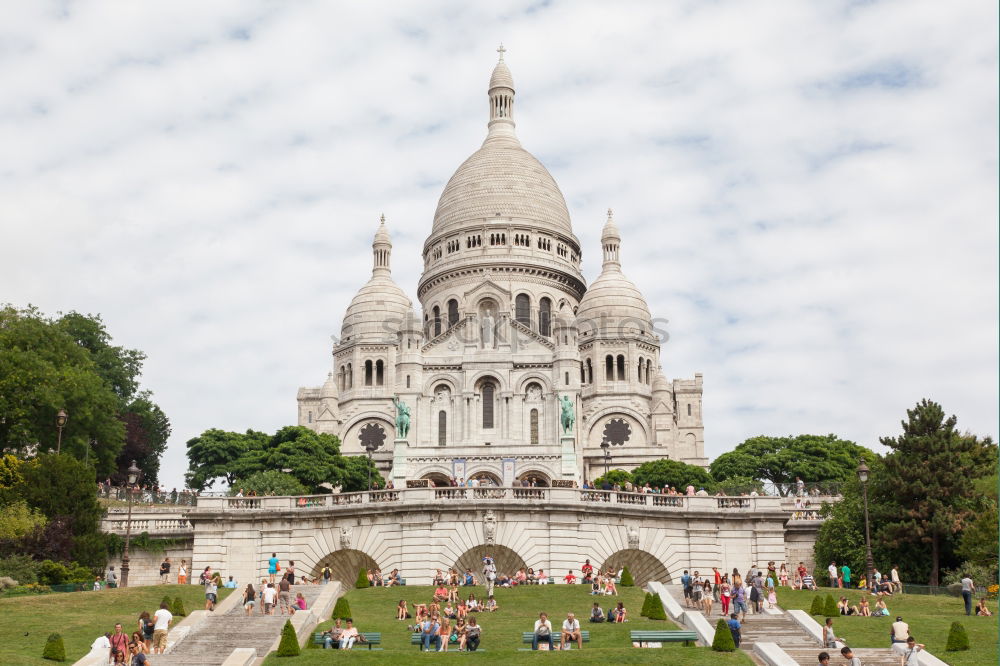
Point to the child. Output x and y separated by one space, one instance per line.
491 604
772 598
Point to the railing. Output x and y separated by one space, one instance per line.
147 496
152 526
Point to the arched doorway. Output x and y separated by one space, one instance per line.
507 560
486 479
344 565
440 479
534 479
643 566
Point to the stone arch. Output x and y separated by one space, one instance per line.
350 441
481 473
507 560
431 383
440 479
344 565
643 566
596 419
541 476
533 378
497 377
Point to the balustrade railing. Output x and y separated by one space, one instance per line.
150 525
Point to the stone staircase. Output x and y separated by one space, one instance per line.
868 656
220 634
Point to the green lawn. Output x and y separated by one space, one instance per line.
25 622
374 610
929 617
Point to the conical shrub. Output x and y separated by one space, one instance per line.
177 608
362 581
723 641
656 609
830 607
342 609
817 606
645 605
957 638
56 651
627 580
289 645
166 600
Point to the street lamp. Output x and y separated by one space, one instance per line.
606 445
869 562
61 419
372 437
133 475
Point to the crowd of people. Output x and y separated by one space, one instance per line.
148 638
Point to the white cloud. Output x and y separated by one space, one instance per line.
807 191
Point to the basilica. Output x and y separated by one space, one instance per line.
515 369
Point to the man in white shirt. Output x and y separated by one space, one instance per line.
900 631
834 574
542 632
270 595
102 644
571 632
897 585
162 619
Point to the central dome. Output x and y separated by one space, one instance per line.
501 179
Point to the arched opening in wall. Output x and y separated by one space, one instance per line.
379 372
350 375
452 312
545 316
621 368
590 372
642 364
488 391
442 428
486 479
609 368
649 371
344 564
506 559
368 373
522 309
437 321
534 479
340 378
533 426
439 479
643 566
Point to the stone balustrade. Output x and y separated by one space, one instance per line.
159 526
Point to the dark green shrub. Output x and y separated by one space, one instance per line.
52 573
817 606
656 609
177 608
54 648
723 641
21 568
362 581
645 605
957 638
830 607
166 600
342 609
289 645
627 580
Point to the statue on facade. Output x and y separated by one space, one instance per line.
486 326
633 537
490 527
345 537
568 418
402 418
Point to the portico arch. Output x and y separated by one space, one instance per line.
440 479
541 479
507 560
488 477
643 566
344 565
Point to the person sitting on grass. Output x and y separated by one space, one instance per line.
503 580
618 614
430 634
449 611
542 632
469 579
610 588
434 608
460 635
491 604
846 608
332 636
880 609
543 577
462 611
521 577
571 632
531 577
401 611
453 594
393 579
420 610
445 634
595 585
597 613
864 608
472 603
438 578
441 593
981 609
569 578
473 632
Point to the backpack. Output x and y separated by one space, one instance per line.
326 573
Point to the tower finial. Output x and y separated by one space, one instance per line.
382 217
501 50
610 214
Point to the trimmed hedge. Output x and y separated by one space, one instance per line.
723 641
342 610
177 608
645 605
627 580
817 606
289 645
362 580
830 607
957 638
54 648
656 609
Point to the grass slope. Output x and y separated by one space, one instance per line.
374 610
26 622
929 617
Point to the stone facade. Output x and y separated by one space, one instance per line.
509 328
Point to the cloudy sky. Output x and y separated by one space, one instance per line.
807 191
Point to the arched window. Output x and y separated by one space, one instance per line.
649 371
407 381
437 321
621 368
522 309
590 372
583 373
609 368
488 390
442 428
340 379
310 417
689 409
641 364
544 316
534 426
368 373
452 312
379 372
350 375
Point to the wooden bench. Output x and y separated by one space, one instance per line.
528 637
371 639
663 636
418 639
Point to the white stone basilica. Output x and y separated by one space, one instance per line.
509 329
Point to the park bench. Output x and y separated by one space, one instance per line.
418 640
371 639
528 636
663 636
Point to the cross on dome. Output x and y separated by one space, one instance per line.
501 50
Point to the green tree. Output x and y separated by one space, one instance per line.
60 485
289 645
54 649
613 476
723 641
931 473
646 601
177 608
817 606
830 607
352 474
17 520
627 580
362 581
738 485
341 610
656 610
979 542
270 482
216 454
958 638
147 430
780 459
664 472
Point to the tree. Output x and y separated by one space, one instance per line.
958 639
646 601
177 608
660 473
270 482
289 645
62 486
817 606
979 542
352 474
54 649
830 607
147 430
18 520
723 641
362 581
656 610
341 610
781 459
218 454
931 473
615 476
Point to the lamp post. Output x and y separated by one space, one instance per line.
61 419
133 475
869 562
607 456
